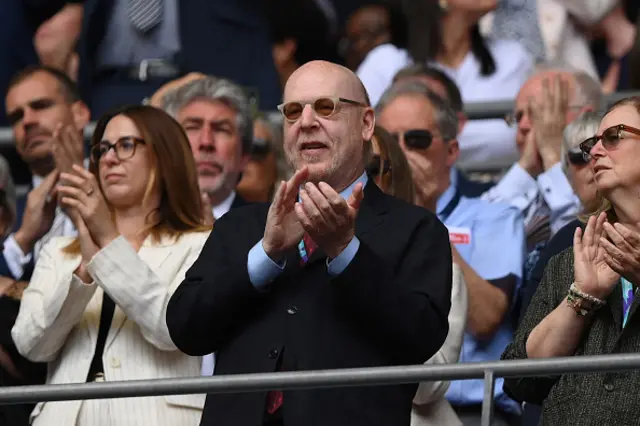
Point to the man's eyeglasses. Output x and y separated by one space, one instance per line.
260 149
576 157
610 138
378 167
124 148
324 107
416 139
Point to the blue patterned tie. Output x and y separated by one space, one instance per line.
145 14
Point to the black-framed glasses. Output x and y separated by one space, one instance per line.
378 167
260 149
610 138
576 157
416 139
325 107
124 148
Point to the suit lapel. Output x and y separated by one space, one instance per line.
153 257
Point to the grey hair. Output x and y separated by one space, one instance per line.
446 118
214 89
576 132
588 89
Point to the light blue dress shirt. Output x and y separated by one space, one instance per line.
262 270
495 249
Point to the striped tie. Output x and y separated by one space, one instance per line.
145 14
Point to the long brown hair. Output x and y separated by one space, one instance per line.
174 169
398 181
606 205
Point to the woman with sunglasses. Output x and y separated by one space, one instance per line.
95 307
392 173
586 301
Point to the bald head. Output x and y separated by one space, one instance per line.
321 78
330 139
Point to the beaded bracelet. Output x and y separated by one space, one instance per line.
584 304
581 294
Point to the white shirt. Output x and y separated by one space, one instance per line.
209 361
222 208
484 144
13 255
550 194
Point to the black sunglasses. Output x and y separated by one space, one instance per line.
378 167
576 157
416 139
610 138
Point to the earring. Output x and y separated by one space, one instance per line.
444 5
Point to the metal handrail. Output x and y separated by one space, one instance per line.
326 379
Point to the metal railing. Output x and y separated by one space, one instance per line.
489 371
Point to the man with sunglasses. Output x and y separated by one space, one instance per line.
333 274
487 238
553 97
47 117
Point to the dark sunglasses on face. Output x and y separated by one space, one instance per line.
37 105
124 148
260 149
324 107
576 157
610 138
416 139
377 167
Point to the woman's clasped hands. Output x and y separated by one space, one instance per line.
80 195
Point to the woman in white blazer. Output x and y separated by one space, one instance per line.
391 172
95 307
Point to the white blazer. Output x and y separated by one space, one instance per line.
59 319
430 408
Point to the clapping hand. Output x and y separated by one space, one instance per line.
622 253
592 272
549 119
67 147
283 229
328 218
79 190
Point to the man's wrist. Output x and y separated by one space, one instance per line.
334 252
271 253
24 241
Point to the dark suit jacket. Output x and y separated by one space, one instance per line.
21 203
388 307
222 38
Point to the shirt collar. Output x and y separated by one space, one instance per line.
222 208
447 196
